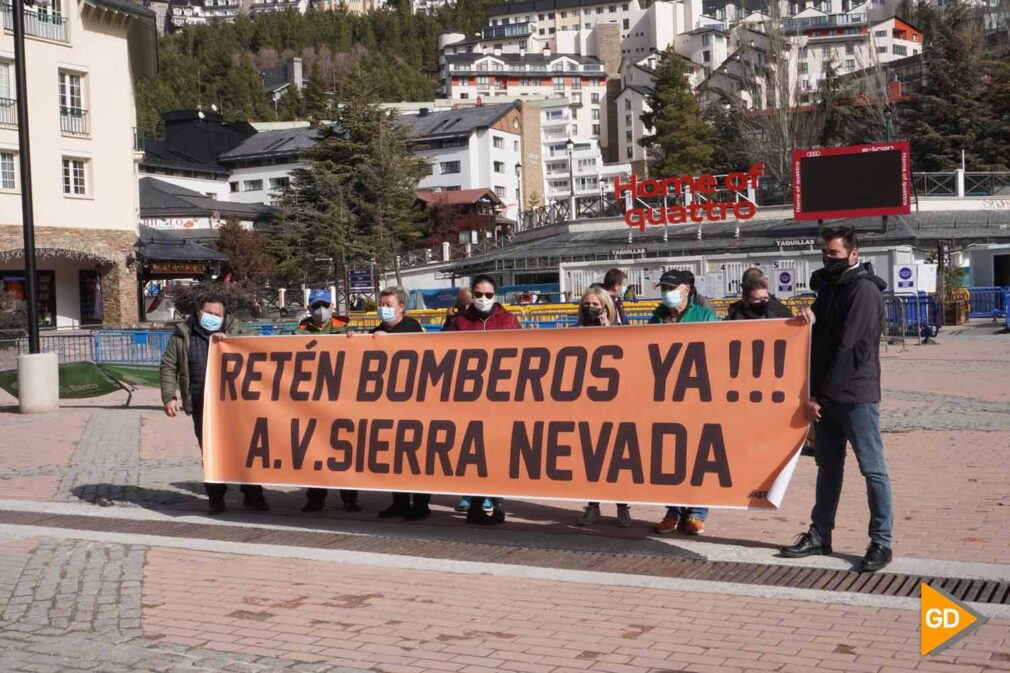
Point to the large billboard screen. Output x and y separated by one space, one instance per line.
854 181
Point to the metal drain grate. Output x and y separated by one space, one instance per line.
800 577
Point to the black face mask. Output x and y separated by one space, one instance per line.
591 315
758 309
834 265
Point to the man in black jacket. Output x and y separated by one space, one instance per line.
757 303
845 388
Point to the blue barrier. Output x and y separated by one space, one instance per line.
912 315
987 302
128 347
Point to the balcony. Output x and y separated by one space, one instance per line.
45 25
73 121
8 112
832 21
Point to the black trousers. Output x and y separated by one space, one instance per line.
317 496
217 491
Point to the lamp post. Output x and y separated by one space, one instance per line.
24 154
571 178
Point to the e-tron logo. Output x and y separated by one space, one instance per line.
879 148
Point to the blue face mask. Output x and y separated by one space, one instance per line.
387 314
211 323
672 299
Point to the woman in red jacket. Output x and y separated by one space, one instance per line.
483 314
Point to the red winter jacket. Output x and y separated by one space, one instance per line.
471 320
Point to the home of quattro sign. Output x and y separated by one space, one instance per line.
699 210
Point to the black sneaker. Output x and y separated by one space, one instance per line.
877 556
393 511
807 544
352 507
419 513
215 506
312 507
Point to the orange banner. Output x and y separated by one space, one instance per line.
694 414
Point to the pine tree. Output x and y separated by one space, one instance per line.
317 98
679 143
729 147
947 115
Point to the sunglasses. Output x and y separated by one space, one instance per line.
485 295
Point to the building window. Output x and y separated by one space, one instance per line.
7 171
515 145
576 83
499 167
850 64
499 142
8 111
575 129
802 52
447 167
630 152
706 56
596 129
627 103
627 119
594 98
880 33
559 83
706 40
825 52
803 67
881 50
279 183
626 24
596 114
252 185
73 116
900 50
850 49
233 186
499 192
613 9
73 177
627 136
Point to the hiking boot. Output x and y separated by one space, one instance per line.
215 506
394 511
590 516
419 513
256 504
623 516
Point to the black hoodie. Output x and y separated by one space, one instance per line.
845 355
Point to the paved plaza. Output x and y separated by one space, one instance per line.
108 564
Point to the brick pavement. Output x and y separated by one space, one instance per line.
69 605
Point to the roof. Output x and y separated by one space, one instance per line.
163 199
523 59
126 7
281 142
447 123
641 90
556 244
539 6
162 154
459 197
156 245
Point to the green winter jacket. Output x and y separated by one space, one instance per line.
694 313
175 362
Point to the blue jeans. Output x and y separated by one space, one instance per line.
860 425
683 512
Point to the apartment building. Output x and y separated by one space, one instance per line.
352 6
261 166
548 18
82 60
580 80
471 148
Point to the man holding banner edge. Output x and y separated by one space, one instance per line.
845 389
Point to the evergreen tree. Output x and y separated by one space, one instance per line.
679 143
317 98
729 147
947 115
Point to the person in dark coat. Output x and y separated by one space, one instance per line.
463 299
756 302
847 318
412 506
613 283
483 314
184 368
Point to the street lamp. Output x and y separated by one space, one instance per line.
571 178
24 153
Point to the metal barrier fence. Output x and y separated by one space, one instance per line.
131 347
911 316
987 302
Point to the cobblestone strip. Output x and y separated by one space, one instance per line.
106 463
944 413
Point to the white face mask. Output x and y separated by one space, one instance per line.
672 299
483 304
322 314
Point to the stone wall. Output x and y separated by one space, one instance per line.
108 249
532 159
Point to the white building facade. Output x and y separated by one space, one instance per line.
83 57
